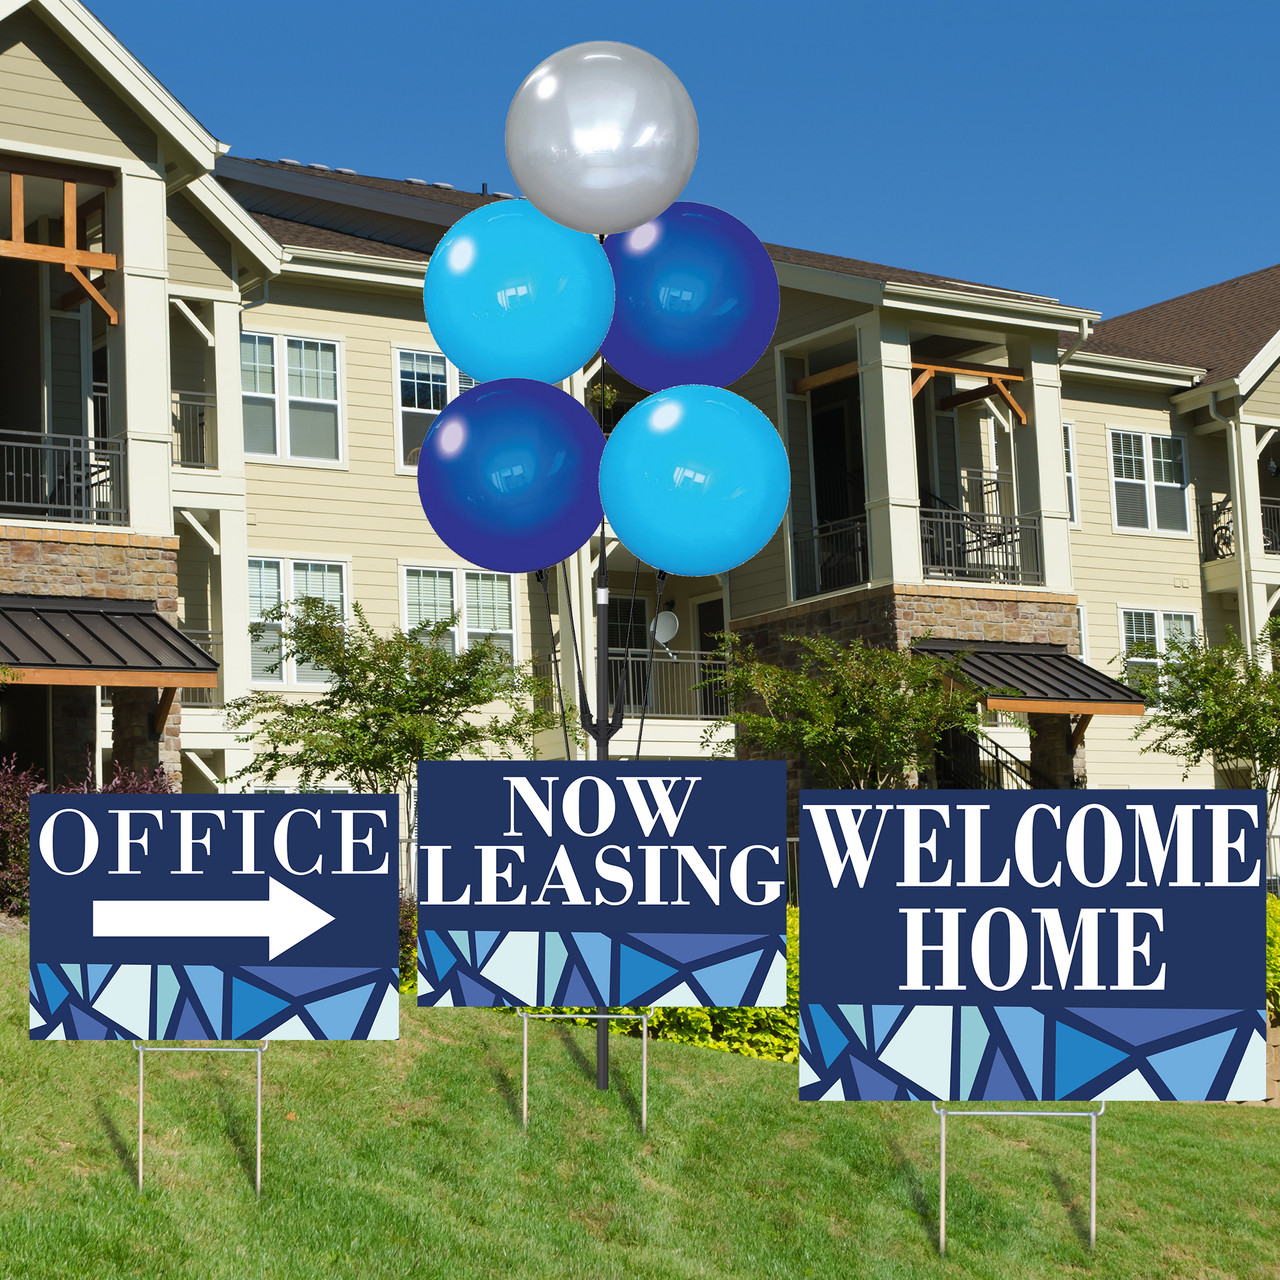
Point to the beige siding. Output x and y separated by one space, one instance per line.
50 97
198 255
1265 398
363 512
761 583
1115 570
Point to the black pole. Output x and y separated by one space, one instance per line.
602 742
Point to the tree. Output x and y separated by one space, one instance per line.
390 701
1219 703
863 716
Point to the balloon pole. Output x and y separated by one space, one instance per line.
602 743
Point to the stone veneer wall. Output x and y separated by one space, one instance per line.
100 564
899 614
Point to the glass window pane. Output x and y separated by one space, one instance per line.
264 593
313 369
1131 505
257 364
1127 460
313 430
317 582
635 637
1166 460
259 425
1171 508
488 602
1180 627
413 429
1139 629
428 596
264 655
465 382
423 380
504 642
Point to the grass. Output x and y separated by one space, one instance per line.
408 1160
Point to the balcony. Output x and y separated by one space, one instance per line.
76 479
194 430
831 557
1217 530
980 546
211 643
671 691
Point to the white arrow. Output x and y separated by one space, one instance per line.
285 919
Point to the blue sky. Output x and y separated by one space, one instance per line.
1110 155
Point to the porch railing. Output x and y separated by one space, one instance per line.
975 546
971 761
1217 529
211 643
194 430
62 477
831 556
671 691
986 491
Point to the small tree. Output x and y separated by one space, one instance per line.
390 701
1219 703
863 716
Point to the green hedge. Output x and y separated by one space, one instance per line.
1273 957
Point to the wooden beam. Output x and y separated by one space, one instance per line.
1078 732
1012 403
60 257
919 384
983 370
163 708
33 168
1049 707
109 679
88 286
17 212
841 373
69 217
968 397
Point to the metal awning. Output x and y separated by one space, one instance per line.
1038 678
69 641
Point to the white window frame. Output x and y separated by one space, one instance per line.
280 355
1073 475
1151 531
287 676
459 575
454 378
1160 615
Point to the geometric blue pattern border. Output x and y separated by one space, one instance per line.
575 970
1014 1053
205 1002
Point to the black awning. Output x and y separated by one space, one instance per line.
65 640
1039 677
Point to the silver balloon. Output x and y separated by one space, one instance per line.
601 137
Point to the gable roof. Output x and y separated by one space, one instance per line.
1221 328
302 235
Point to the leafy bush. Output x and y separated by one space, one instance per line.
1273 958
408 943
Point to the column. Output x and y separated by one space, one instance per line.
1038 455
889 450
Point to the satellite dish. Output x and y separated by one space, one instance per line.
664 627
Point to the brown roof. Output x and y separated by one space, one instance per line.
1219 329
303 235
465 200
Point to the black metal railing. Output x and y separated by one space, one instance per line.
1271 526
831 557
976 546
101 420
673 689
975 762
211 643
1217 529
194 434
63 477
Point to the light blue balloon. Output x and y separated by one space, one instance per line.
694 480
511 294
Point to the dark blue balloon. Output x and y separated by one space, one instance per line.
509 475
697 299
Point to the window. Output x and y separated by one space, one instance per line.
1149 482
269 579
1147 633
636 637
296 418
1069 459
484 606
427 383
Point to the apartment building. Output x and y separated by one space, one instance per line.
217 376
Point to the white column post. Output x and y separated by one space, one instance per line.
1041 466
889 449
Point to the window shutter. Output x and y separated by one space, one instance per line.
264 593
1070 466
489 610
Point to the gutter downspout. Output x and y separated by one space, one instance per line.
1077 344
1235 461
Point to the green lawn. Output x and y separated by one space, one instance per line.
408 1160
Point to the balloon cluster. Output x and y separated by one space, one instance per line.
680 298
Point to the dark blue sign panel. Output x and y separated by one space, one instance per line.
579 884
1014 945
206 917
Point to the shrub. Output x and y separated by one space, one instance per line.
1273 958
408 943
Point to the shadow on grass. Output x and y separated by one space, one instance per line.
1075 1205
924 1202
587 1069
502 1081
126 1153
243 1136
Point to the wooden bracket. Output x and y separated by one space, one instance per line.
162 709
919 384
1078 731
88 289
993 388
998 383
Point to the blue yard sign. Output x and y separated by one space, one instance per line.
575 884
1017 945
205 917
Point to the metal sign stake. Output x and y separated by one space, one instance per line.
642 1018
181 1048
942 1113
